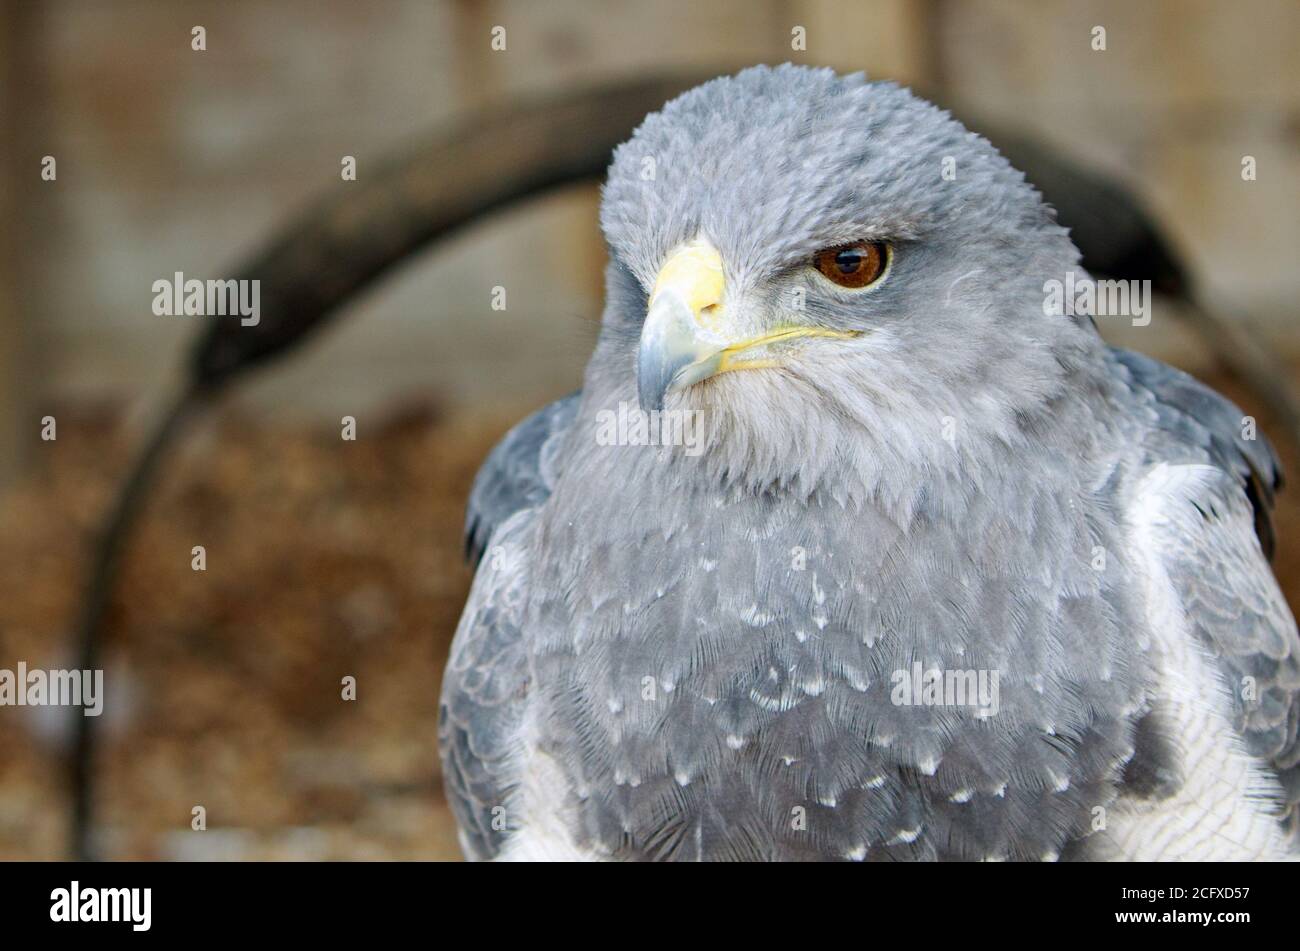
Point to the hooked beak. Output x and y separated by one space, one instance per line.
687 336
677 348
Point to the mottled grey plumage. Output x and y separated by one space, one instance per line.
667 655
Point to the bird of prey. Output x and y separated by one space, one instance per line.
922 570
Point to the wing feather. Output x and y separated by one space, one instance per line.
1215 545
518 472
486 683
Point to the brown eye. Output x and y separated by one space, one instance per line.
853 265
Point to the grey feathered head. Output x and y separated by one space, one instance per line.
741 220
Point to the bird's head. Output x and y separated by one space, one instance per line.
835 272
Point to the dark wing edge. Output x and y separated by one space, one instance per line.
1217 559
518 473
1198 415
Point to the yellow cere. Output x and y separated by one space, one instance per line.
694 274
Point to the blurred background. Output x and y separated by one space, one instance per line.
328 558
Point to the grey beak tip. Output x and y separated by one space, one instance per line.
654 379
650 401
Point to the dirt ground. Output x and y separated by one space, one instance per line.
325 559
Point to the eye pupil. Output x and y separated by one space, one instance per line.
848 260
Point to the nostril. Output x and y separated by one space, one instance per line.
710 316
